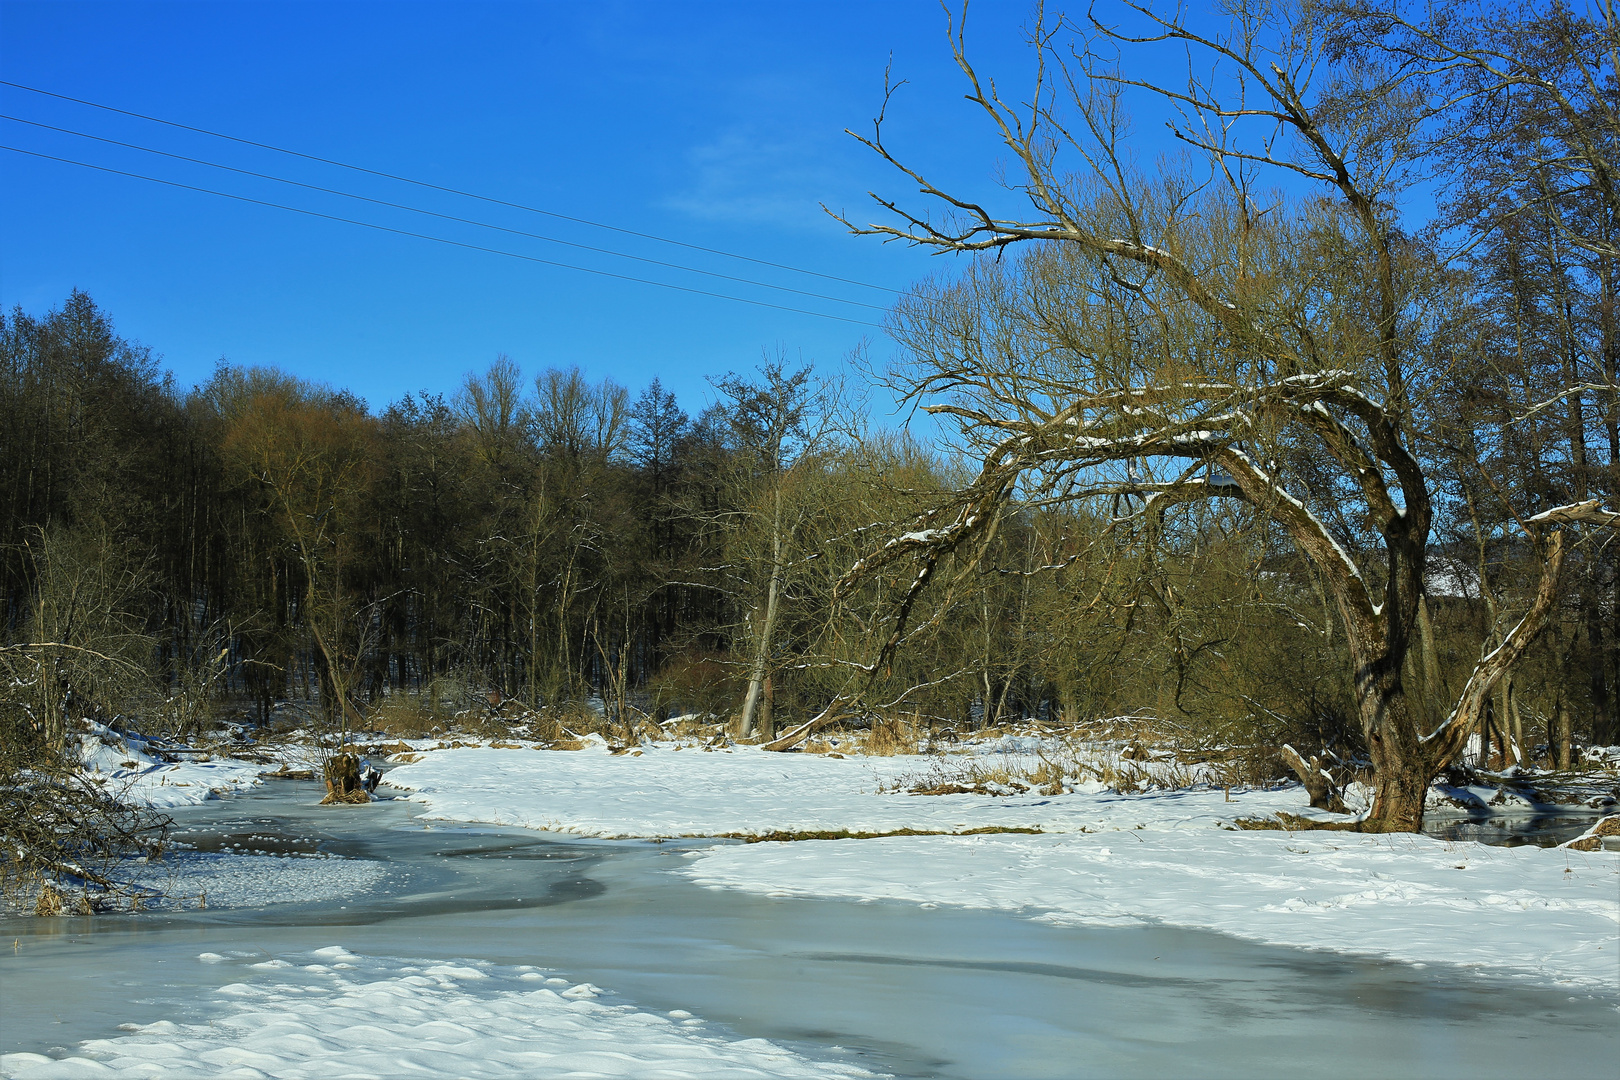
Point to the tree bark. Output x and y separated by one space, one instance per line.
1323 792
767 711
1597 668
1561 736
762 651
1401 769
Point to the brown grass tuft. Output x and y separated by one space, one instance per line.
1592 840
51 902
890 736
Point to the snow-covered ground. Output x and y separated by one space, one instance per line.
1169 856
122 767
661 791
344 1015
1546 915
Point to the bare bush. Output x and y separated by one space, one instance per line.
63 834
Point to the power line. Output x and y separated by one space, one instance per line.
448 190
436 214
437 239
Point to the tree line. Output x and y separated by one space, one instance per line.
1258 320
1268 465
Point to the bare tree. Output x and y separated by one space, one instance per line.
1182 335
491 406
308 450
778 427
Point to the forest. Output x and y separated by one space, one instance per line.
1180 637
265 551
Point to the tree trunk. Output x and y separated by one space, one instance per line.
1502 713
1401 768
1562 739
1487 736
762 651
330 675
1323 792
1431 658
767 711
1517 719
1398 803
344 784
1603 726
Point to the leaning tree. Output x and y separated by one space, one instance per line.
1248 321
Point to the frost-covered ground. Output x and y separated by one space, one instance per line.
344 1015
1162 856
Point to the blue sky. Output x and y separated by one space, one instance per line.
717 124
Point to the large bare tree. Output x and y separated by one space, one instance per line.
1248 322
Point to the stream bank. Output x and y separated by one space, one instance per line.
948 992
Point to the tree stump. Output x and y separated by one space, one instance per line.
343 781
1322 789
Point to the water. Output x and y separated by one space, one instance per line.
941 992
1512 829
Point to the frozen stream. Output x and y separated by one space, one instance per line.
899 989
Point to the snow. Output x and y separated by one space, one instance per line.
660 791
121 765
1497 910
1167 857
1450 578
336 1013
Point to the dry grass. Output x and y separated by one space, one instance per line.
961 776
54 902
1286 822
51 902
1054 770
890 736
411 716
1592 839
814 745
692 726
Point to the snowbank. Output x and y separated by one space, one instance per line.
659 791
123 768
353 1016
183 783
1547 914
1168 857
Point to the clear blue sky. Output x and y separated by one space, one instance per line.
718 124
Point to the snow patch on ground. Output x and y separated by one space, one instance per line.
334 1013
1498 910
1168 856
122 766
665 792
185 783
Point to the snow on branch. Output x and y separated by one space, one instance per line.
1590 512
